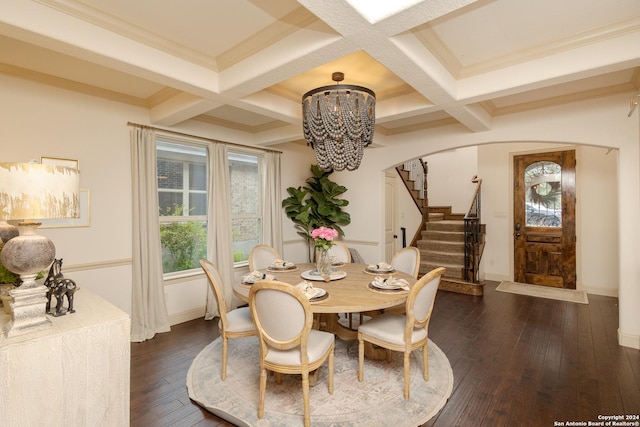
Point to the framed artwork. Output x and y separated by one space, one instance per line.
83 221
70 163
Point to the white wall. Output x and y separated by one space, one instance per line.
449 179
597 222
409 216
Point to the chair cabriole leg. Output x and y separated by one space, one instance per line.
225 343
407 368
360 359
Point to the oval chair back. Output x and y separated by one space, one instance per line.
215 281
339 252
262 256
407 260
236 323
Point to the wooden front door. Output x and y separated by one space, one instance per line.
544 219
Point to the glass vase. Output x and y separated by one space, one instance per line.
323 264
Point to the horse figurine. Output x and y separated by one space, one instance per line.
59 286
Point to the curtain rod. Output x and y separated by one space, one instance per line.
268 150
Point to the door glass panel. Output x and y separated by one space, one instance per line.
543 194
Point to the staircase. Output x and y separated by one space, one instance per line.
442 238
442 245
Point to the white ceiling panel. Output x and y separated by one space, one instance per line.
265 54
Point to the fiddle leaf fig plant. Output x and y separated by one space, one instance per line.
317 204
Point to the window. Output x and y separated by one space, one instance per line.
246 203
543 202
182 196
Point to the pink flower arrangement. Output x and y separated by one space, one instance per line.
323 237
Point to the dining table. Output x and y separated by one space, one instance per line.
349 290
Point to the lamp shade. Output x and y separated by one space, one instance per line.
31 191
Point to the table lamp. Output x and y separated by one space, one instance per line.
30 191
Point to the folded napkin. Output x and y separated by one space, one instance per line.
279 263
308 289
380 266
391 283
256 276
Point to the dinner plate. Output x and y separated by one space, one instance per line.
282 268
384 291
380 270
313 275
317 294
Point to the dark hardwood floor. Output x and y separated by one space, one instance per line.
517 361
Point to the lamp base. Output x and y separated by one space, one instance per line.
27 311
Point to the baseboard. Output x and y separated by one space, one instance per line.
605 292
496 277
461 287
185 316
627 340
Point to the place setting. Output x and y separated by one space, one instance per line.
315 275
313 293
281 265
388 284
379 268
255 277
335 262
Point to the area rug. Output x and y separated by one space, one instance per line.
377 401
570 295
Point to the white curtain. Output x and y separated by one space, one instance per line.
272 205
219 240
148 308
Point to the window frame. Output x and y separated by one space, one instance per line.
185 192
232 150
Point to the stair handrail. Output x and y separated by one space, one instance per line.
472 243
418 170
415 167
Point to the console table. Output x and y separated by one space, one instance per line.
75 373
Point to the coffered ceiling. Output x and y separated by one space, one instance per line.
244 64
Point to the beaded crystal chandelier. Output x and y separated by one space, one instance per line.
338 122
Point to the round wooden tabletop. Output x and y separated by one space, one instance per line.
351 294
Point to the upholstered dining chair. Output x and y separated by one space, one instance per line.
262 256
288 344
340 252
407 260
236 323
404 332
